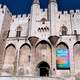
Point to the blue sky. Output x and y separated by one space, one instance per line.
23 6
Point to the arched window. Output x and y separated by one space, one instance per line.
39 29
8 33
42 29
64 30
62 57
47 28
18 32
43 20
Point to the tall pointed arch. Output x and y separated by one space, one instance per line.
35 1
76 51
24 54
62 56
10 58
43 51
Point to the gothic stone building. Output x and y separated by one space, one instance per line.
42 43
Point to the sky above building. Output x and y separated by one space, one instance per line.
23 6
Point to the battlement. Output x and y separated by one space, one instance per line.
74 11
3 6
65 12
20 16
44 10
3 9
77 11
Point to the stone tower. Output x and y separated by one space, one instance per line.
41 45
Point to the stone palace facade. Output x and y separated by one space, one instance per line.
42 43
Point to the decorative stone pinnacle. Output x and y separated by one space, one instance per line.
52 1
35 1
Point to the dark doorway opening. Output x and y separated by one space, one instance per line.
43 69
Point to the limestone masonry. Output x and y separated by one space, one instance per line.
44 43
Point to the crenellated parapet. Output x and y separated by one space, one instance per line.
20 16
4 9
75 12
70 19
2 6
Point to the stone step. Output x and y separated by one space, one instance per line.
28 78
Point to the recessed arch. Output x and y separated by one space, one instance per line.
25 55
10 45
10 58
25 44
76 56
78 42
43 53
43 42
43 48
63 43
62 56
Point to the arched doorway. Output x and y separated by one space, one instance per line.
43 69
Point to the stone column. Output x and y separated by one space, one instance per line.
53 62
33 61
17 61
72 69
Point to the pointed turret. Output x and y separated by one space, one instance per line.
52 8
52 0
35 9
52 11
35 13
35 1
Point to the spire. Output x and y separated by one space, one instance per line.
52 1
35 1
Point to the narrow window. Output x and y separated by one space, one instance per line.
64 30
75 32
29 57
43 20
18 32
8 33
